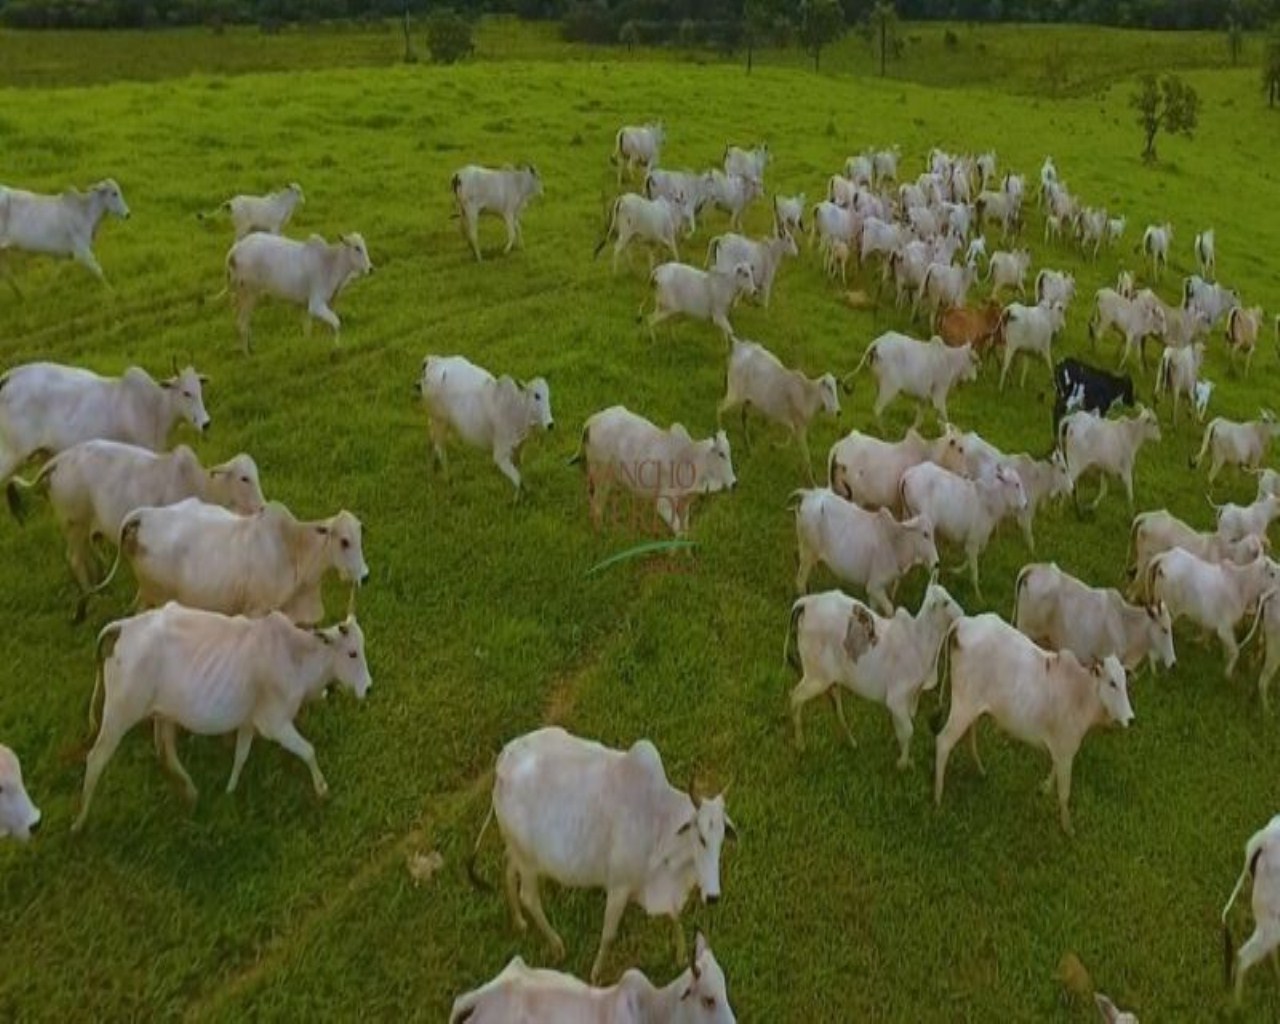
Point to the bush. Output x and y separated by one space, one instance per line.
448 37
589 23
950 40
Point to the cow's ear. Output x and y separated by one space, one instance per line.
1106 1007
166 384
321 635
202 379
322 530
730 829
685 827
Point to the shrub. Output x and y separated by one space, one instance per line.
448 37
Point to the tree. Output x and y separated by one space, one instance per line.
1168 103
629 35
883 23
448 36
1235 37
1271 67
821 23
757 24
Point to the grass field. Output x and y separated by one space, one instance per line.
849 897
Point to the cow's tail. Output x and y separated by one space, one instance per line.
578 457
1228 947
1131 557
1018 587
472 873
220 208
1164 374
793 624
110 633
465 1007
1204 445
869 356
616 155
713 249
128 545
944 676
610 227
1257 618
18 487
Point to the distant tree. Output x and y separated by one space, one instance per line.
1235 38
629 35
757 25
884 25
1271 66
1168 103
448 36
821 23
687 33
410 57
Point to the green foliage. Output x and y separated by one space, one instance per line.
1056 69
821 24
1166 104
1271 66
448 36
884 31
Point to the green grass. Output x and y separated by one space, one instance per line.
849 897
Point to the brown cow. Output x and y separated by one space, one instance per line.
978 326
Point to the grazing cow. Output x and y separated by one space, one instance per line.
1158 531
48 408
843 644
978 327
63 225
1206 259
1216 596
867 471
1236 444
685 188
747 163
504 192
1236 522
871 550
1268 617
1061 613
1108 446
943 287
649 220
963 511
269 213
1243 328
93 486
1078 385
1262 866
637 145
1055 286
587 816
1135 319
666 466
1212 300
536 996
210 675
1155 243
923 370
19 817
1009 270
1031 330
757 379
311 273
679 289
207 557
1046 699
1179 373
764 257
497 414
733 193
788 214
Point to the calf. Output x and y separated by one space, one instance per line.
1108 446
1206 260
503 192
1046 699
788 215
844 645
1236 444
19 817
497 414
733 193
757 379
1235 522
1078 385
1135 319
637 145
634 217
1029 329
1262 865
871 550
211 675
679 289
1179 373
977 327
63 225
269 213
867 471
923 370
1243 327
1059 612
1213 300
1055 286
1155 243
1009 270
587 816
747 163
764 257
1155 532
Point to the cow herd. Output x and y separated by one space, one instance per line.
228 637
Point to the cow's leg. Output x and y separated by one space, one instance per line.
167 733
1009 353
973 749
502 459
1230 649
1264 939
1265 677
1215 468
510 220
882 601
439 430
806 559
722 321
471 230
669 514
624 239
84 256
287 735
244 741
79 553
678 937
802 440
319 309
658 315
1026 521
899 704
531 897
110 733
940 407
513 893
973 553
837 701
957 723
805 690
614 906
1062 772
1102 491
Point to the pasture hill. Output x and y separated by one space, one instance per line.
848 896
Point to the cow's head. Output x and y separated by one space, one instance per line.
346 643
744 279
829 393
343 533
537 395
938 605
1059 478
1111 1013
705 997
715 469
112 198
1113 690
1160 636
296 189
19 817
532 180
912 540
358 255
186 390
235 485
702 835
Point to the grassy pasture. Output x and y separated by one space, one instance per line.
848 897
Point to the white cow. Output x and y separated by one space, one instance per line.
1055 286
93 486
269 213
1179 373
788 214
963 511
884 164
205 556
1115 228
19 817
63 225
684 187
495 414
211 675
880 238
1155 243
637 145
1135 319
1009 270
311 274
1111 447
1262 864
535 996
588 816
1235 522
866 470
503 192
944 287
1206 258
1059 612
733 193
859 170
667 466
1031 330
1243 328
747 163
832 223
757 379
999 208
1216 596
923 370
871 550
764 256
656 221
1046 699
48 408
1154 532
843 644
679 289
1213 300
1093 227
1234 444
